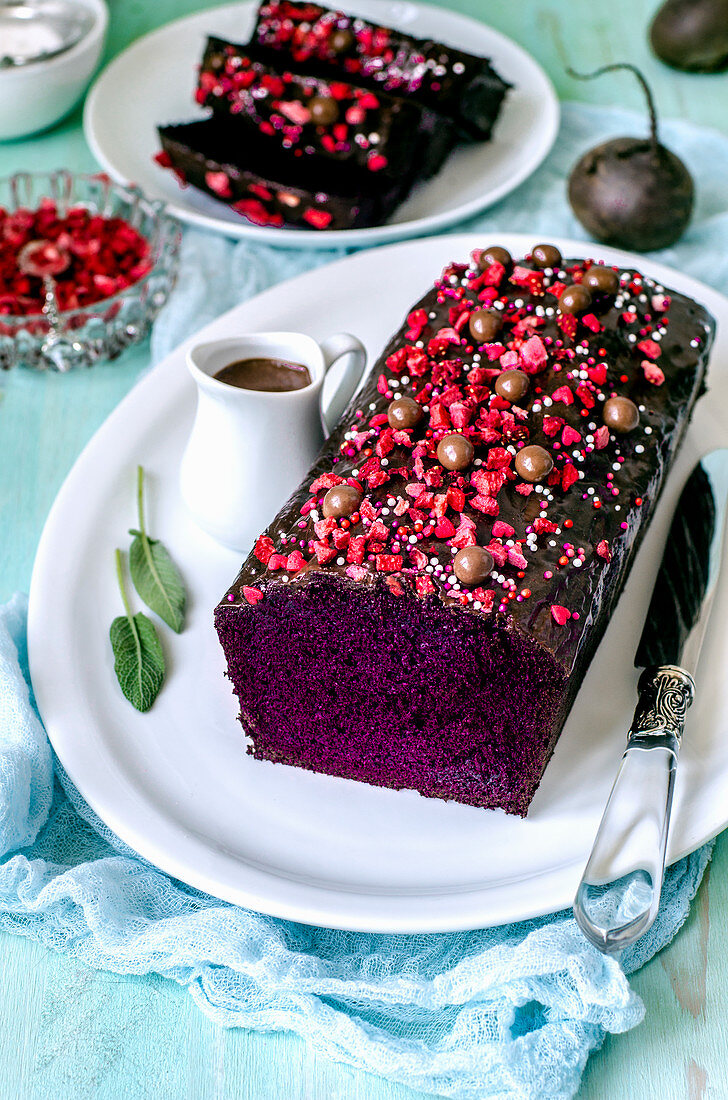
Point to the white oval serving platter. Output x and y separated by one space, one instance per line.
176 783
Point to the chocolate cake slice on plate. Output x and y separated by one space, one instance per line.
329 118
422 611
263 183
459 85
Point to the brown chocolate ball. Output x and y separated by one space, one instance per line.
534 463
546 255
575 299
404 412
494 254
455 452
603 280
324 109
484 325
472 565
341 41
341 500
620 415
512 385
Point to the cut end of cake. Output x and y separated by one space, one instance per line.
395 691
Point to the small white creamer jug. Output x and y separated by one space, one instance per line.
249 449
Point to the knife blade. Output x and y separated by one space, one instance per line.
619 893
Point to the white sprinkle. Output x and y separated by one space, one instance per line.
340 561
639 449
405 380
616 466
547 402
385 512
648 431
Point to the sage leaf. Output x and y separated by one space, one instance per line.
138 657
155 576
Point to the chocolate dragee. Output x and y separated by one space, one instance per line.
422 611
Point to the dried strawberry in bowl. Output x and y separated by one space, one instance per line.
85 266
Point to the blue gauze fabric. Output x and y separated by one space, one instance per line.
510 1012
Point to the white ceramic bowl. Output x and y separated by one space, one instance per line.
39 94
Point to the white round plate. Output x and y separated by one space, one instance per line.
176 783
152 83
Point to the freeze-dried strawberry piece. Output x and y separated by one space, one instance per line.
502 530
498 458
324 527
465 534
323 552
487 505
377 531
592 322
486 598
650 348
543 526
653 373
559 614
424 586
569 475
444 528
551 425
357 549
388 563
570 435
277 561
585 395
442 340
515 557
356 572
295 562
419 559
601 437
456 499
534 356
498 552
252 595
598 374
417 321
603 550
264 547
324 481
341 539
564 395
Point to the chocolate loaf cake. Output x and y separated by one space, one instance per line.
422 611
316 117
456 84
258 179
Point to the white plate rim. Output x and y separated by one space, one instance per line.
326 239
307 902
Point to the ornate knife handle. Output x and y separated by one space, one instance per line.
619 893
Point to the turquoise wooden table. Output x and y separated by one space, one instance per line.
70 1033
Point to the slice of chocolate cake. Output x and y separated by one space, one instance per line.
264 184
316 117
451 82
422 611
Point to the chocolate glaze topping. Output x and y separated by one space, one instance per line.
561 547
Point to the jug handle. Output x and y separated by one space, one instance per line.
333 347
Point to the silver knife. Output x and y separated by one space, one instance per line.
619 893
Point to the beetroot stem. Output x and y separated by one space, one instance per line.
645 88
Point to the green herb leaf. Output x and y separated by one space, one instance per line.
156 578
138 657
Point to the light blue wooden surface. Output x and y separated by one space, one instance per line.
69 1033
